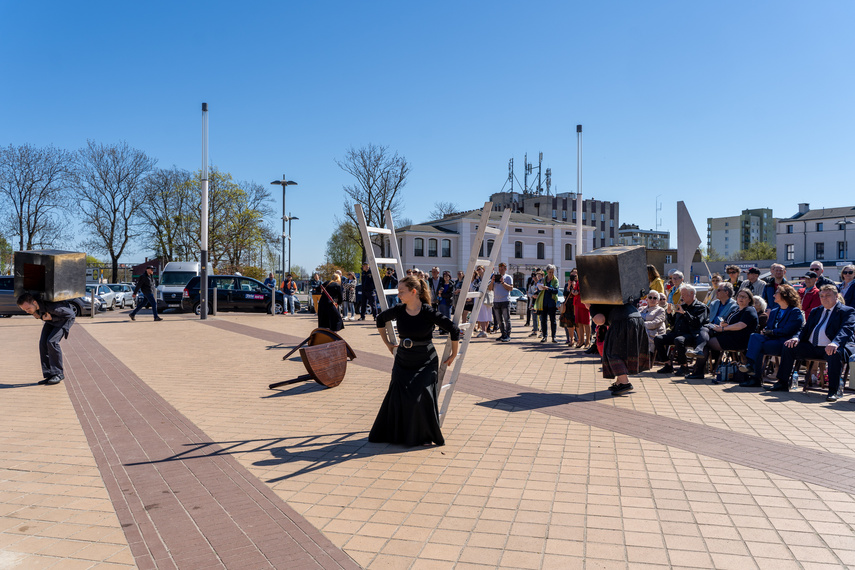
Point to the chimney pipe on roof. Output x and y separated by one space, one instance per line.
804 207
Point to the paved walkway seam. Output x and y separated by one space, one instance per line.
796 462
206 512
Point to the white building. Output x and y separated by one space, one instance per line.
530 242
821 234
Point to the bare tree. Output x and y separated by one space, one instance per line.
108 181
167 197
442 209
34 186
380 179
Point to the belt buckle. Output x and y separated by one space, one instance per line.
407 343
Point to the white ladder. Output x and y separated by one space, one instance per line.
497 233
365 230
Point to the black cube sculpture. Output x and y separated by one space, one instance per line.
613 275
50 274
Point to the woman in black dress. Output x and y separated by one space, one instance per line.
731 334
625 347
328 314
410 414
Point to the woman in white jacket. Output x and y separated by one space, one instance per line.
654 316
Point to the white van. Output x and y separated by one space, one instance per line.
174 277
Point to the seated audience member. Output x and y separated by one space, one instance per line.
656 283
754 283
676 281
723 305
809 293
846 288
730 334
690 316
654 316
828 335
760 307
819 269
733 277
784 321
711 297
777 279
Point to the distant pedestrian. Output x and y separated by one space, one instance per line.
270 281
57 318
349 294
501 285
367 291
148 287
289 292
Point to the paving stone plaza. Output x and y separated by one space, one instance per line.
163 448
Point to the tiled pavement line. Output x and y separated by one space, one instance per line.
804 464
208 513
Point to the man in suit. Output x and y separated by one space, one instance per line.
827 336
57 319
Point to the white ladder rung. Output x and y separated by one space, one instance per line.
492 230
390 291
484 262
385 231
473 294
386 260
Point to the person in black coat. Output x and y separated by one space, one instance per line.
367 291
409 414
828 335
57 318
690 316
148 287
625 343
331 298
730 334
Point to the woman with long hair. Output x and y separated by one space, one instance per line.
656 283
409 414
331 298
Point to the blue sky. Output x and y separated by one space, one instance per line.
725 105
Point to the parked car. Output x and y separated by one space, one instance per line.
86 304
174 277
124 294
234 293
108 295
514 295
8 300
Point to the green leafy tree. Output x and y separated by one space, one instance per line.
5 256
343 247
757 250
168 197
298 272
712 255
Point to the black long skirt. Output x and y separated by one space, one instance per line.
409 414
625 349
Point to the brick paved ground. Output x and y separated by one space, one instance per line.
542 468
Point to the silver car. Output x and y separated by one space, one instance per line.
108 295
124 294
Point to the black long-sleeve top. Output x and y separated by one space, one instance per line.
418 327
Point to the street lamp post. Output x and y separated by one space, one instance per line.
842 224
290 217
284 183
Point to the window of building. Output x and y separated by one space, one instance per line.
568 233
819 247
432 252
518 249
564 215
841 250
541 250
611 241
789 228
819 226
554 214
419 247
611 223
602 217
541 231
400 244
446 248
584 216
726 224
574 216
603 236
518 230
568 251
791 252
490 247
668 259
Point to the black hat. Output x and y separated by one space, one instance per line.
811 275
150 267
754 270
